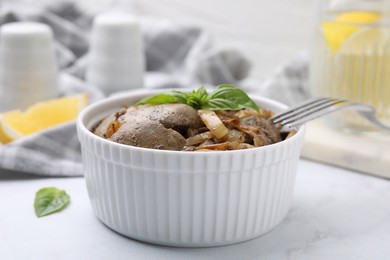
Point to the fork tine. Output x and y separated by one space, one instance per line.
313 109
365 110
314 113
297 110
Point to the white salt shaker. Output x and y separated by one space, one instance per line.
28 70
116 59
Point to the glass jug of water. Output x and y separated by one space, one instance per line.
350 57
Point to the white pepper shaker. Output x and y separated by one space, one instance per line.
116 59
28 70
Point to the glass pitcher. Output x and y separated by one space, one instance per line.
350 57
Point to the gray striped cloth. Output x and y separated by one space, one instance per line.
56 151
289 83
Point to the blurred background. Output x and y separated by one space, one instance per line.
267 32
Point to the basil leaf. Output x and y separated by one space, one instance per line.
194 101
224 97
203 97
158 99
50 200
234 94
220 104
181 97
202 94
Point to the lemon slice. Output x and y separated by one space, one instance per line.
3 136
344 25
365 39
16 124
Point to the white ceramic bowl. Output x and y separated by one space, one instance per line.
188 199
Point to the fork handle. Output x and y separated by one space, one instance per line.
368 112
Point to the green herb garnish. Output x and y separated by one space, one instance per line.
50 200
224 97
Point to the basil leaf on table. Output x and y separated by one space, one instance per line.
224 97
50 200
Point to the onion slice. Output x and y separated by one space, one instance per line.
213 123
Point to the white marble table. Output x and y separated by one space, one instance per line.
335 214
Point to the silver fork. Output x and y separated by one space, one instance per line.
318 107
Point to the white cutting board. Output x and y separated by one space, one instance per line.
363 153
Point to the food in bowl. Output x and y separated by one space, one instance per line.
186 199
182 126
